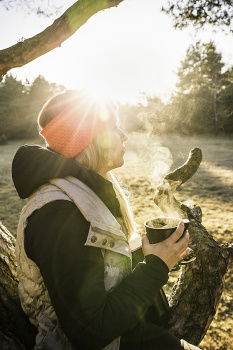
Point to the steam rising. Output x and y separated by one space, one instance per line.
165 202
158 158
151 160
161 163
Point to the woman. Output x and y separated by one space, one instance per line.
78 283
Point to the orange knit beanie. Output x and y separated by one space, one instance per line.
71 131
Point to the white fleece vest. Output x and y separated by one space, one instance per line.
105 233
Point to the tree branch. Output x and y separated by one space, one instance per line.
53 36
166 203
188 169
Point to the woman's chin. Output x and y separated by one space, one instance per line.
122 161
118 164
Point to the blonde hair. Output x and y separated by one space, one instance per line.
126 210
93 156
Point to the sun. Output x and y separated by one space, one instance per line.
99 93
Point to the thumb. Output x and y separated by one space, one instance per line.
145 240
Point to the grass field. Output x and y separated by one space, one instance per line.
146 160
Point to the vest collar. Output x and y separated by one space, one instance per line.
102 187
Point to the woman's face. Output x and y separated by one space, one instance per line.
112 140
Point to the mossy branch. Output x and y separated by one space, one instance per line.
188 169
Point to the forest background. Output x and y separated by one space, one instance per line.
202 102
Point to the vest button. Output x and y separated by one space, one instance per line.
93 239
111 244
104 241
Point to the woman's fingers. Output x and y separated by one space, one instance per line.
147 248
171 249
186 252
183 242
177 233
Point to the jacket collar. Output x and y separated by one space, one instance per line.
101 186
33 166
97 183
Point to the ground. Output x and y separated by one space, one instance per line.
147 159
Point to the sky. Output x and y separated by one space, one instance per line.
122 52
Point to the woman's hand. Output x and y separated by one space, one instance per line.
170 250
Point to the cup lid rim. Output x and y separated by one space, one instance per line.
166 217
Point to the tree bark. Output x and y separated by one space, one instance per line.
216 126
16 332
196 295
53 36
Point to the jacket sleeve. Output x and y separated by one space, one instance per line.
74 276
148 336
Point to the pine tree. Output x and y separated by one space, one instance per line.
39 92
20 104
13 106
217 13
201 81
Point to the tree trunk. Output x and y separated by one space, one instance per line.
16 332
215 111
194 299
53 36
196 295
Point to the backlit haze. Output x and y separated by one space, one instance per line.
120 52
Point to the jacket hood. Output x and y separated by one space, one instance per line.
33 166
